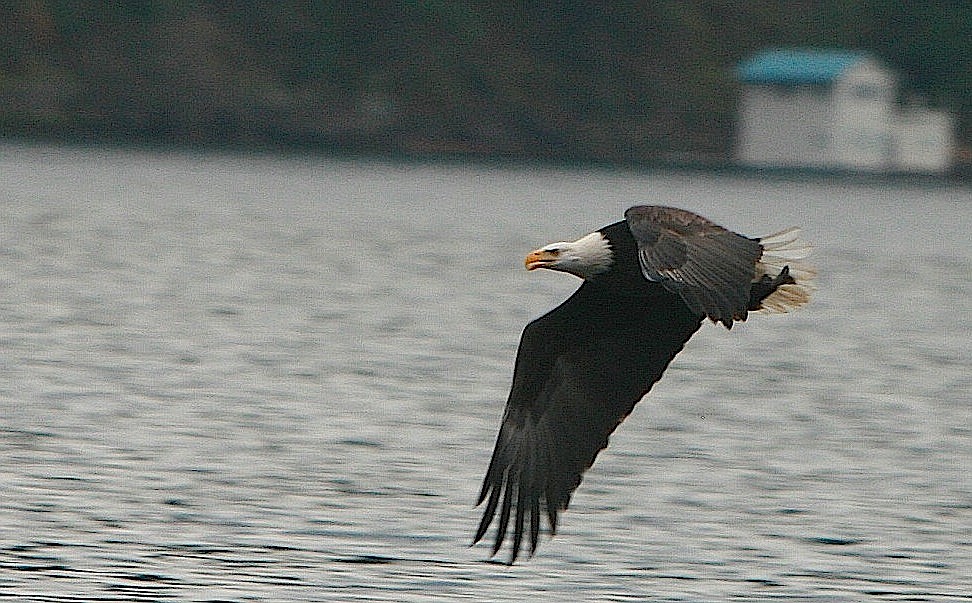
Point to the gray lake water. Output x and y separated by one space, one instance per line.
232 378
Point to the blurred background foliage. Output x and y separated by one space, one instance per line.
572 80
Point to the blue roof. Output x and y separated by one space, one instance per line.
798 66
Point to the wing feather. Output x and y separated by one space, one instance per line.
574 382
709 267
504 519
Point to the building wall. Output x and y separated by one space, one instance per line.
787 126
922 141
864 101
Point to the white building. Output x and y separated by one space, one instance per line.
833 109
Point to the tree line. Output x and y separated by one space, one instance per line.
617 81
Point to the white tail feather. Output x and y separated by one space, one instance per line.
786 249
784 238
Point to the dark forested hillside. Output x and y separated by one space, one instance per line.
619 81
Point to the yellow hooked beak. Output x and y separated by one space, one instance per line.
540 259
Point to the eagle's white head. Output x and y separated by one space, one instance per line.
586 257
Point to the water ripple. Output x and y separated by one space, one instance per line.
279 379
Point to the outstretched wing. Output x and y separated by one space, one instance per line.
709 267
577 377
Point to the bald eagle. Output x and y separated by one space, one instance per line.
649 282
